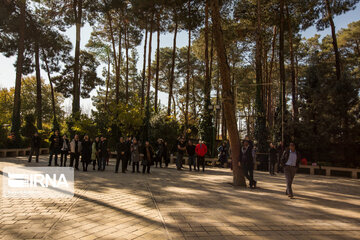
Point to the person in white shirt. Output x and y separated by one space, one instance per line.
290 161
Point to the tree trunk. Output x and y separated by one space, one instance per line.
217 117
269 93
15 123
211 55
282 70
207 83
119 67
188 75
260 120
117 74
107 79
194 96
52 88
173 98
149 67
173 65
38 86
335 45
292 64
157 63
144 69
76 85
127 65
227 96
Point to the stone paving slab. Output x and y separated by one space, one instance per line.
168 204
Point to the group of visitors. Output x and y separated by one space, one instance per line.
196 154
129 151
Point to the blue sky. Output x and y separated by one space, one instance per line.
7 69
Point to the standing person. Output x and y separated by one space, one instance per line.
148 157
135 155
95 152
54 146
251 143
280 150
272 159
159 153
121 155
65 148
190 148
201 150
290 161
223 154
181 148
103 154
75 150
86 152
247 162
166 155
128 143
35 146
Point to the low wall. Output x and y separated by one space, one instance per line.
312 170
20 152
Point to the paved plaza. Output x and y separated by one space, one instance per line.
168 204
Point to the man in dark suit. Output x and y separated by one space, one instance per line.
247 162
122 150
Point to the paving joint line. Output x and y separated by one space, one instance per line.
67 210
158 210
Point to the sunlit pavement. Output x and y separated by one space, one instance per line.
168 204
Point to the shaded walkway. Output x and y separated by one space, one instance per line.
168 204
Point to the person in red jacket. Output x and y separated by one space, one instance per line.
201 150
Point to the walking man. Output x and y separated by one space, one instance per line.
290 161
247 162
201 150
35 146
75 150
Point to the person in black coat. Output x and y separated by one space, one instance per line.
159 153
35 146
166 154
190 149
103 154
55 141
86 152
129 143
148 157
247 162
122 153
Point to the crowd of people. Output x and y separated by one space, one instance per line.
130 151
